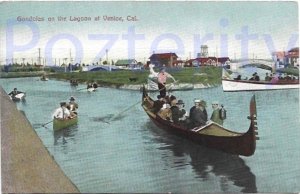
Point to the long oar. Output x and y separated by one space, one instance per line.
81 89
39 125
130 107
43 125
125 110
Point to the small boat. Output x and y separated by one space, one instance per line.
231 85
73 83
44 79
59 124
20 96
212 135
91 89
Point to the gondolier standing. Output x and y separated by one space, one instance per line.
162 80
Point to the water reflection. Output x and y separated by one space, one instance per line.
62 137
229 168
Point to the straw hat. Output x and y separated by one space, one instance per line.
202 103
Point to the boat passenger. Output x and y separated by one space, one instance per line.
165 112
178 113
95 85
255 77
14 92
198 114
62 112
215 116
157 104
89 85
267 78
239 77
73 105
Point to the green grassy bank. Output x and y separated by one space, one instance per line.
203 75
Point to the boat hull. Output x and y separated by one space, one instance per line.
213 135
18 97
91 89
59 124
246 85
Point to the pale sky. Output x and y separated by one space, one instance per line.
167 26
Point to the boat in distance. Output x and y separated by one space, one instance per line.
232 85
59 124
211 135
251 85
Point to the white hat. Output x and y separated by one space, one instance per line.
197 100
215 102
166 106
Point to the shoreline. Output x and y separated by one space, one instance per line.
26 164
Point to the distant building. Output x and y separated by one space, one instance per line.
207 61
293 57
223 61
126 63
282 58
164 59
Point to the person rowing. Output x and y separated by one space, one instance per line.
14 94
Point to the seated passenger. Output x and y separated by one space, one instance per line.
73 105
89 85
157 104
267 78
165 112
62 112
215 116
198 114
254 77
239 77
178 113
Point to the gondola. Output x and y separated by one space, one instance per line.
212 135
59 124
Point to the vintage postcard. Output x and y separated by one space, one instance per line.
149 96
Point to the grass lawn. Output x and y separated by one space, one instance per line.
203 75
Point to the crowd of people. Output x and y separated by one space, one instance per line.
169 108
66 110
269 77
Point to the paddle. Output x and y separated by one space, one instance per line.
43 125
39 125
81 89
125 110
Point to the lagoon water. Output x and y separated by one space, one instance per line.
111 152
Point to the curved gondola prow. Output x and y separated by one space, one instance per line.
253 125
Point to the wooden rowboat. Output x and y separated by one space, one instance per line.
59 124
212 135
